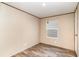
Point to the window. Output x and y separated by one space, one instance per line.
52 28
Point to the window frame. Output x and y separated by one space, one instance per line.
52 28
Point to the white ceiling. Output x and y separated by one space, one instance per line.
51 8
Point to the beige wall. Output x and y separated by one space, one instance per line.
66 31
18 30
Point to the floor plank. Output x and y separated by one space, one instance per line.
44 50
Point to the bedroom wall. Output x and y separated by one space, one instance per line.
18 31
66 31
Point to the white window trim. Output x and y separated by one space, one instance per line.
52 28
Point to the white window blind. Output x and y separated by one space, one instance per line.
52 28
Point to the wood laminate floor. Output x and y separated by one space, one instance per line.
44 50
